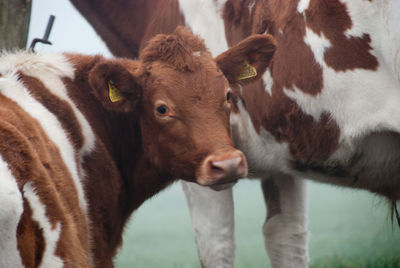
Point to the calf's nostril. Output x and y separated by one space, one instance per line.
227 166
216 167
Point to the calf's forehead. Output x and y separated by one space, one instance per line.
206 82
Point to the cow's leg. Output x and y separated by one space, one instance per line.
212 218
285 228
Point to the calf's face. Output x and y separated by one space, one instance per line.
184 105
185 122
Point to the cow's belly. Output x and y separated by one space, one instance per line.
372 162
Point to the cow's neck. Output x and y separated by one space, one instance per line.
119 178
135 182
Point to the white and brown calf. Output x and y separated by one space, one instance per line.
328 107
85 140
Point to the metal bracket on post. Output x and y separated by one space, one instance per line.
45 39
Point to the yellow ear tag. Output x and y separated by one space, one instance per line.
248 71
113 92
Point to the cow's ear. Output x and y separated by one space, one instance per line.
248 60
114 86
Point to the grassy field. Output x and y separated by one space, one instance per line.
349 229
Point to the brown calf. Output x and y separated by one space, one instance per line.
86 140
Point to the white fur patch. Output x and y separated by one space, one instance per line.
204 17
263 152
51 235
251 6
268 81
303 5
52 64
11 209
318 44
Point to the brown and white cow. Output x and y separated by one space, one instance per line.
327 108
85 140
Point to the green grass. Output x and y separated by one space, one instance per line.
349 229
358 262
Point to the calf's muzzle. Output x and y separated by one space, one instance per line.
222 168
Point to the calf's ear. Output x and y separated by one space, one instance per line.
248 60
114 86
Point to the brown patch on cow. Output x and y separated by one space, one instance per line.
346 53
237 13
271 198
310 140
31 243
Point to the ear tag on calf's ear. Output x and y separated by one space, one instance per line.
247 71
113 92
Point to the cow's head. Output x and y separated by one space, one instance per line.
182 97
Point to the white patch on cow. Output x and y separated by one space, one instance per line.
51 234
11 209
220 5
15 90
303 5
268 81
363 16
204 17
251 6
24 61
196 53
389 34
318 44
264 154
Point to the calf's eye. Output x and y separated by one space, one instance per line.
162 109
228 96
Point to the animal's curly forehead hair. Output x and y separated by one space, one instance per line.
177 49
